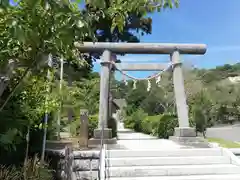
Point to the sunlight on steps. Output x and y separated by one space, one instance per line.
146 157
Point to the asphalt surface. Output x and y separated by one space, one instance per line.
228 132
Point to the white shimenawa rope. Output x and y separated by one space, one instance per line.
149 85
134 84
157 76
158 80
125 80
148 78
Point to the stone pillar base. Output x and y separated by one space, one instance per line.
107 133
107 137
184 132
187 137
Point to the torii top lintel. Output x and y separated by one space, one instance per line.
141 48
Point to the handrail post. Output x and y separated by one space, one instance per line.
102 163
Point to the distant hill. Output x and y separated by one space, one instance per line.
219 73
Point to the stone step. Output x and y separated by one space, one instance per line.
164 153
183 170
85 175
201 177
124 130
215 175
160 161
94 142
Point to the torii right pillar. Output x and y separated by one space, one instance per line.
184 134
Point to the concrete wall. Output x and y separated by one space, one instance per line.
85 164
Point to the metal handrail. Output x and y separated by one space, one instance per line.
102 164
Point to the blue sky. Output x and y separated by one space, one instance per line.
212 22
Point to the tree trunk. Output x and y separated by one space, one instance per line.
5 78
26 152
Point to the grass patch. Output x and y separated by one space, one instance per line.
224 143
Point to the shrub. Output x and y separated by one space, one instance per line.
146 125
30 171
135 120
150 124
33 171
93 124
166 125
74 127
160 125
128 122
9 173
112 124
199 119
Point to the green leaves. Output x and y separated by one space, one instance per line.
9 140
83 94
122 14
4 3
50 29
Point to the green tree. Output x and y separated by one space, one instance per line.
120 19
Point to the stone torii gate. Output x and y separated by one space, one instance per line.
184 131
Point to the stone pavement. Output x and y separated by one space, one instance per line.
133 140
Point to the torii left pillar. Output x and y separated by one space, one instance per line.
103 130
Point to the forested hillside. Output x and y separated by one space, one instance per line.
219 73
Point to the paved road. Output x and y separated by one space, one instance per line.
231 133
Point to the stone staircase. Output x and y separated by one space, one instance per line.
172 164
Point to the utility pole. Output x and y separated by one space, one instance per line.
60 108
